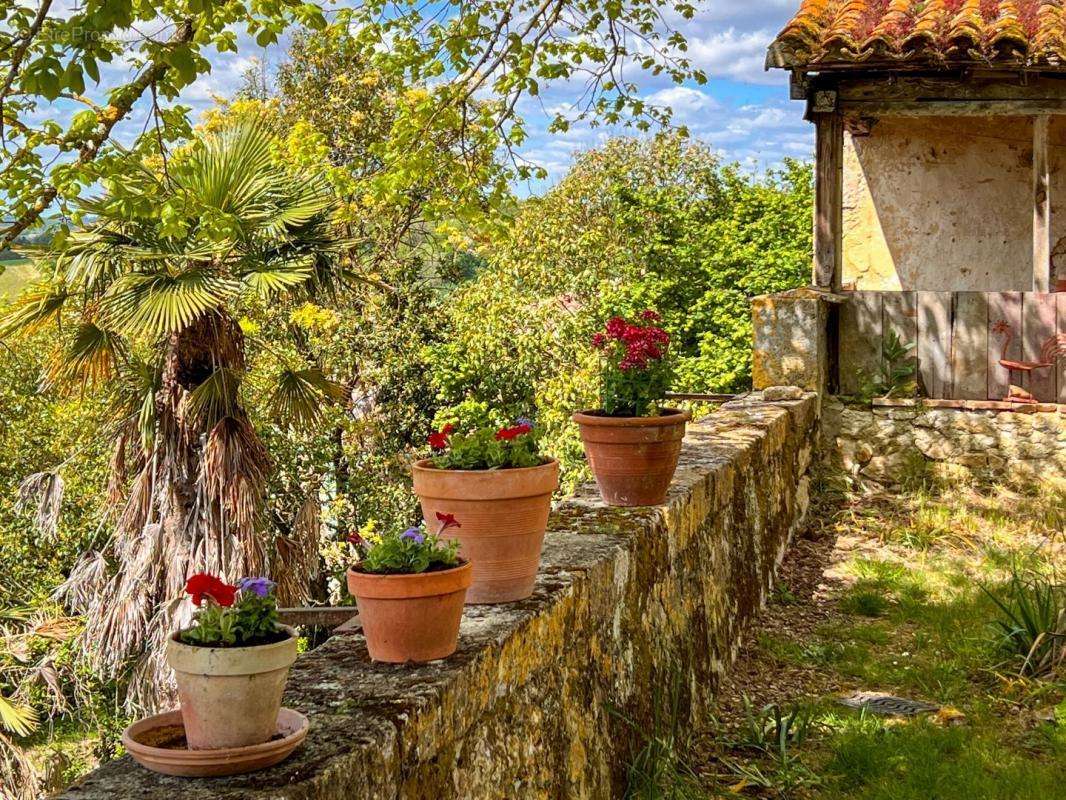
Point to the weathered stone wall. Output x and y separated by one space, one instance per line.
886 444
630 605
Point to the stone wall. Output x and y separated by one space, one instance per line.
886 444
547 698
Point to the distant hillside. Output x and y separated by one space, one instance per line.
17 273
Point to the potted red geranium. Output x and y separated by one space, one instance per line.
231 663
410 588
495 479
633 441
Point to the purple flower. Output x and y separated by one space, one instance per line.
524 421
259 586
414 534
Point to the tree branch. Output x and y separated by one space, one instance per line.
107 119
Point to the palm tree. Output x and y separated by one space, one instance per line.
155 284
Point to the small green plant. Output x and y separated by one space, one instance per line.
636 370
1032 625
895 375
490 447
241 615
411 552
865 602
774 732
660 770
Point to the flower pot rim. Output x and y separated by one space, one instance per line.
412 585
224 661
288 629
593 416
426 464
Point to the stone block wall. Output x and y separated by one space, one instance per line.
547 698
883 445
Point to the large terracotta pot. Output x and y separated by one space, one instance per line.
502 513
411 617
633 458
230 696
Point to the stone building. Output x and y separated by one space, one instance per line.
940 253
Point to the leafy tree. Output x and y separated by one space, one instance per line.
635 224
155 284
472 64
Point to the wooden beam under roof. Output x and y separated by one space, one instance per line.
1041 206
828 199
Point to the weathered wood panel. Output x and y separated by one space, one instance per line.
1041 206
960 337
1038 327
860 340
1060 366
969 347
828 199
934 343
1004 325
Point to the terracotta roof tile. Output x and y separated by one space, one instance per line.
933 32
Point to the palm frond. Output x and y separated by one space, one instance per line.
299 395
38 306
157 303
91 357
268 278
232 171
135 394
42 491
17 718
216 397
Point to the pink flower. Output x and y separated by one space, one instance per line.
650 316
447 521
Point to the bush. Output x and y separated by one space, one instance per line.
635 224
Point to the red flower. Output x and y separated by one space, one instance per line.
650 316
447 521
204 585
599 341
439 440
507 434
616 326
356 539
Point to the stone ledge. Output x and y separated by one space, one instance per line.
627 602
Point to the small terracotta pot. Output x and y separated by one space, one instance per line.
502 513
411 617
230 696
633 458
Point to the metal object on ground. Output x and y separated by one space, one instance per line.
887 704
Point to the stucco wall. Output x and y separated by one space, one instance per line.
941 204
629 603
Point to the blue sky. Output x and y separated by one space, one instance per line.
743 112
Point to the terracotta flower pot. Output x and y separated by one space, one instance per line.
230 696
411 617
502 513
633 458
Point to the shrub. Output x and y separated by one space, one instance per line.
1032 622
635 224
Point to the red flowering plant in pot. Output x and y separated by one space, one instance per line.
495 479
633 441
231 664
410 588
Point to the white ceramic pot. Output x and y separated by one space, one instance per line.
230 696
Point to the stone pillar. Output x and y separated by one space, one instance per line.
791 339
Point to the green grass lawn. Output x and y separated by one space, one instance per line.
17 273
904 583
